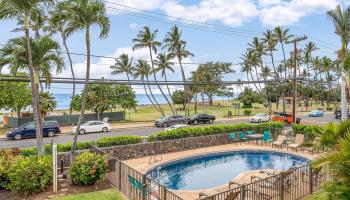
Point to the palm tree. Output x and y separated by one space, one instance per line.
142 70
341 21
47 103
257 46
22 10
147 39
177 48
250 61
164 64
83 14
45 54
123 65
307 58
57 24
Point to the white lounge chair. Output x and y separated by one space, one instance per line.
299 140
280 141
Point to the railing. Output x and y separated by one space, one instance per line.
132 183
291 184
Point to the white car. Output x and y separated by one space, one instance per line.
260 117
176 126
93 126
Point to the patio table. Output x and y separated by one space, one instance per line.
255 137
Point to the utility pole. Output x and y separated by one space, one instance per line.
295 41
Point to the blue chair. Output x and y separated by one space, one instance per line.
233 137
243 136
266 137
249 133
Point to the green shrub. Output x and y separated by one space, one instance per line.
211 130
7 158
30 174
307 130
247 112
329 108
88 168
120 140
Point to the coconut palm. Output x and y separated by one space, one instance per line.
83 14
177 48
47 103
123 65
282 36
142 71
57 24
259 51
250 61
147 39
270 43
164 64
341 21
22 10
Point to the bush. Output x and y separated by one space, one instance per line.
211 130
247 112
7 158
120 140
30 174
329 108
88 168
307 130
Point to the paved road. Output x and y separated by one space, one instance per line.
141 131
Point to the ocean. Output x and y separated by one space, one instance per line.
63 100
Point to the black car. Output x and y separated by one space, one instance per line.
337 113
50 129
204 118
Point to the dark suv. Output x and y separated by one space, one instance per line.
337 113
50 129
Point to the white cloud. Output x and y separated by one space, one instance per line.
267 3
288 13
133 26
230 12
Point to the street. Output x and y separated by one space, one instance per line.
142 131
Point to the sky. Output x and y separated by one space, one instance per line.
226 26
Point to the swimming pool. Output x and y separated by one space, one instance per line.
208 171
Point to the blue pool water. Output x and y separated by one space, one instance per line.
208 171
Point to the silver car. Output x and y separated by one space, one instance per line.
169 120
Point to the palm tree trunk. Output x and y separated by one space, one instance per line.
167 85
34 81
344 102
154 99
285 77
84 99
149 98
251 75
155 79
127 76
183 80
71 69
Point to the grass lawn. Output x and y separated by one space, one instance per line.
109 194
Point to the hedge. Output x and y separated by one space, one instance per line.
102 142
216 129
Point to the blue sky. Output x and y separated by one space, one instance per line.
300 16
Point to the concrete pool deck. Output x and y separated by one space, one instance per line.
147 163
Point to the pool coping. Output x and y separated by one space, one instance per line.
208 151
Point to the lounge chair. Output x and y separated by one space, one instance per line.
233 137
242 136
280 141
233 195
288 176
266 137
299 140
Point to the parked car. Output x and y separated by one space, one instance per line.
176 126
169 120
337 113
203 118
93 126
260 117
285 117
50 129
316 113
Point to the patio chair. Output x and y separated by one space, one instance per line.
315 146
266 137
234 138
249 133
299 140
280 141
233 195
242 136
287 176
257 195
316 175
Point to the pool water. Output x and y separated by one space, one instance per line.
208 171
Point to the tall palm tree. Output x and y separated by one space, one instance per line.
250 61
22 10
123 65
164 64
341 21
177 48
307 58
57 24
147 39
47 103
83 14
142 70
259 51
44 53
